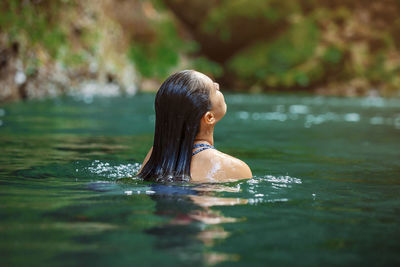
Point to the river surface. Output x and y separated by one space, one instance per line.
325 191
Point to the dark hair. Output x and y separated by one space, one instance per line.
180 103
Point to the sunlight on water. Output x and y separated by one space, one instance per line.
298 109
303 113
257 188
282 181
325 185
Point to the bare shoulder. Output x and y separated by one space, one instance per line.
214 166
234 167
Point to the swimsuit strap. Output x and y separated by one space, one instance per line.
203 147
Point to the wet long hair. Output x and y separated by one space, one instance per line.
180 103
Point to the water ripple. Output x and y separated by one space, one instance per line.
267 188
105 169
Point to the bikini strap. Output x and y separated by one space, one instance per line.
203 147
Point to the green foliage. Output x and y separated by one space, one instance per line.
25 19
219 18
158 57
205 65
332 55
281 62
301 44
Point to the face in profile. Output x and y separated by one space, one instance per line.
216 97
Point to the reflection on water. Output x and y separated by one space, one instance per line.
191 208
325 188
187 210
189 214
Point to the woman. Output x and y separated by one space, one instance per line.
188 105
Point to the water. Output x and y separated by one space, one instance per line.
325 189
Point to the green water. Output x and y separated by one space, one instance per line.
325 189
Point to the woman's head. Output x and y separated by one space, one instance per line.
218 105
183 100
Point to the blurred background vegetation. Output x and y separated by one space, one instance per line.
109 47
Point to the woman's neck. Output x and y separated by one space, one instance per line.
205 135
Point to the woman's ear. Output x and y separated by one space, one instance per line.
209 118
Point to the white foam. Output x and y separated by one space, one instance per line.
276 179
104 169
